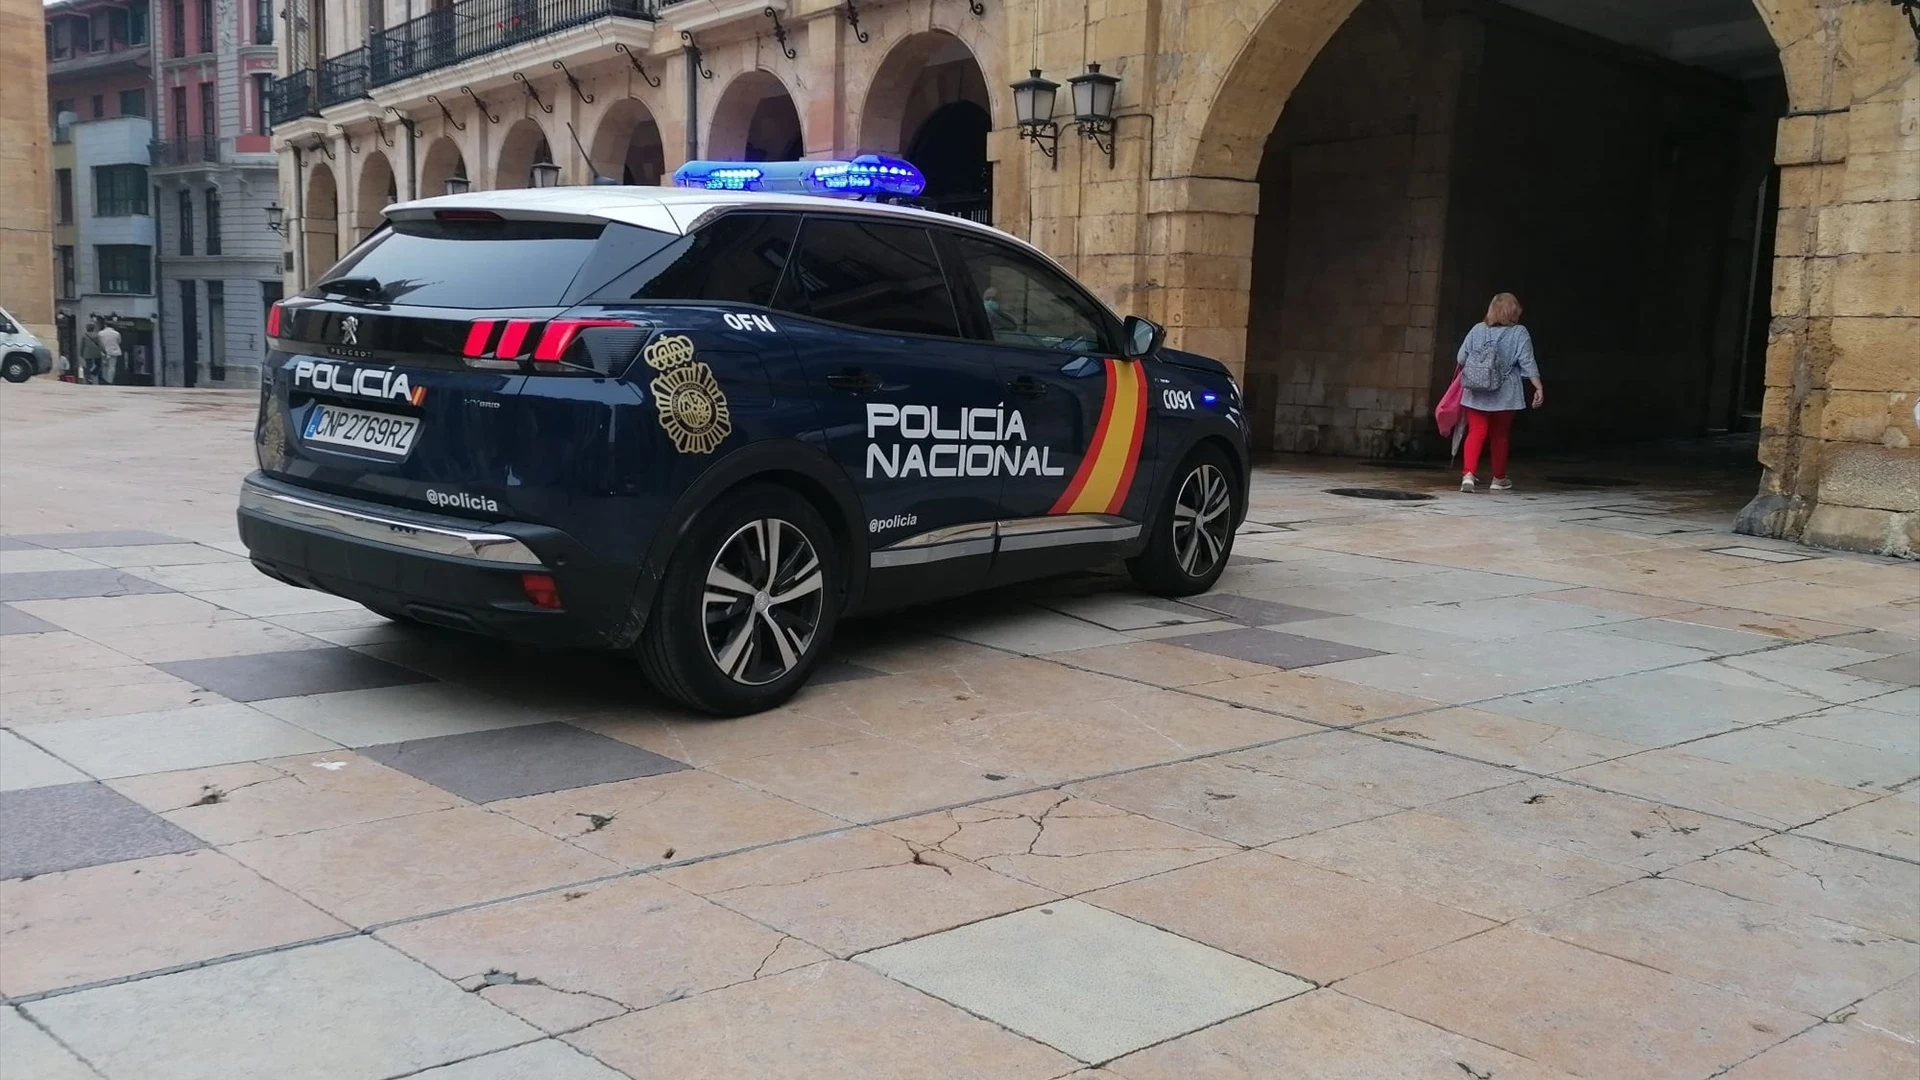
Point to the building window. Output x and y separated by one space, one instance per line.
206 26
63 195
66 273
133 102
99 106
186 222
213 221
117 26
137 23
261 87
178 95
125 268
263 22
177 27
217 329
97 31
209 123
189 332
119 190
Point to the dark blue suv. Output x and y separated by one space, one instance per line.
704 426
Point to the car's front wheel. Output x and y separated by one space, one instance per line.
1192 528
17 369
748 605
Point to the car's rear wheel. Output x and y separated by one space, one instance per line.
1192 528
17 369
748 605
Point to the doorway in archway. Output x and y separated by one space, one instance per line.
951 152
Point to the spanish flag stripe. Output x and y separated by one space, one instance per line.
1100 485
1085 470
1133 449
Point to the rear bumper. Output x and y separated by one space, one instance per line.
434 568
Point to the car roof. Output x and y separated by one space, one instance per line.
676 209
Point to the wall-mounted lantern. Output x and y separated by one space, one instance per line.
545 174
1093 94
277 219
458 185
1033 111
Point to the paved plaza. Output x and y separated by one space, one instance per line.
1570 782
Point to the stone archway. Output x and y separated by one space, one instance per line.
755 120
928 102
442 162
627 146
524 144
320 229
376 189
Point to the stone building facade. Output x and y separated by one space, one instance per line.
26 224
1320 192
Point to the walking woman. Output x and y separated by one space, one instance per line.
1495 357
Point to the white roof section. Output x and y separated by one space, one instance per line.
674 209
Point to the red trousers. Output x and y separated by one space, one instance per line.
1482 426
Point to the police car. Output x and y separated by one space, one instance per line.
705 422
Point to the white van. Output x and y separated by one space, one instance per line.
22 356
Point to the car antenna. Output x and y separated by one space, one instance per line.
597 178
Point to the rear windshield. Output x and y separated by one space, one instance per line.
467 264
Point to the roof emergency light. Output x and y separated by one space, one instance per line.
866 176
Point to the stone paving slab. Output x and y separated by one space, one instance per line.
69 826
507 763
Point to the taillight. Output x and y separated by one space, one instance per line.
541 589
273 320
561 332
513 339
477 337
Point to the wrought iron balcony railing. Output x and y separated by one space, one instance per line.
473 28
290 97
173 153
342 77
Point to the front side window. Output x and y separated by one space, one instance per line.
870 274
489 263
125 268
1029 303
119 190
735 259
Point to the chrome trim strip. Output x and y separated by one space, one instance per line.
969 531
1051 523
917 554
1101 534
483 547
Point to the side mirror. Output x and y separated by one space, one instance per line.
1144 336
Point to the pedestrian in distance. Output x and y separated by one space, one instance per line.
113 361
1493 360
90 352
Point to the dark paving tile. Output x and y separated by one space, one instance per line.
833 671
1903 669
71 584
1244 610
15 621
1245 560
68 826
111 538
1272 647
14 543
291 674
510 762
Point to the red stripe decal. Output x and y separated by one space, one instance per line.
1085 471
1133 450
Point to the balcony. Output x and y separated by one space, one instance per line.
112 57
291 98
177 153
342 78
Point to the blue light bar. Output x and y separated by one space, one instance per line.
866 176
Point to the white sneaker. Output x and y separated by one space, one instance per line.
1466 483
1500 483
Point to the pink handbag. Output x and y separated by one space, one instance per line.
1450 415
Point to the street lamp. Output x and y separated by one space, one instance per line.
277 219
458 185
1033 111
546 174
1093 94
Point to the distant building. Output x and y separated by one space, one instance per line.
99 95
213 176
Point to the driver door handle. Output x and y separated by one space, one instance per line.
1026 386
852 379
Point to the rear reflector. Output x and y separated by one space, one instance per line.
477 338
561 332
273 321
513 339
540 589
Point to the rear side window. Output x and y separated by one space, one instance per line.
468 264
871 275
736 259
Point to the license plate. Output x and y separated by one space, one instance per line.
379 433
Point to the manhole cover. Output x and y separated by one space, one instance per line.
1424 466
1388 494
1592 481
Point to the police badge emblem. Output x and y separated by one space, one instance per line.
693 410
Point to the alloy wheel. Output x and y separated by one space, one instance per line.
762 603
1202 521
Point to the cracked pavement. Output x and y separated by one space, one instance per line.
1478 786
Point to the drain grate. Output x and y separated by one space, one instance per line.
1593 481
1386 494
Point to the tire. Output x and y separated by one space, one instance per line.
17 369
1182 558
720 639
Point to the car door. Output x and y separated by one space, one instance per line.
1083 492
911 409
